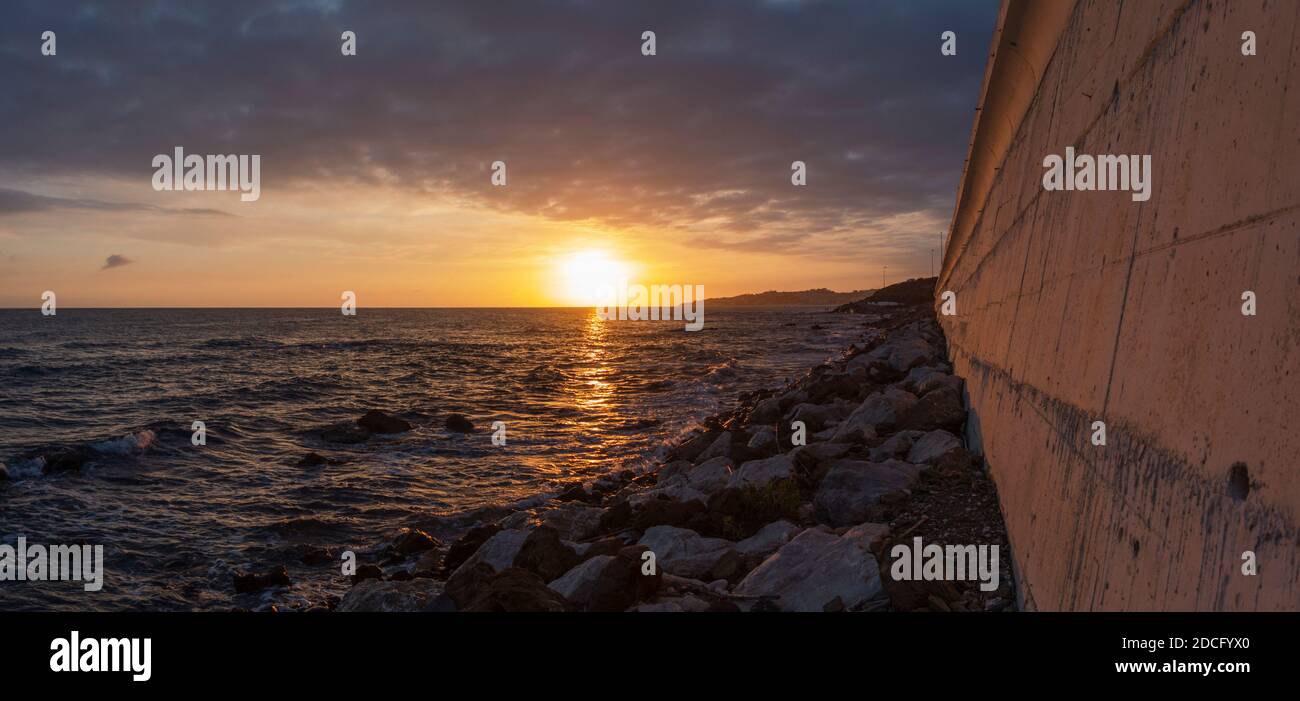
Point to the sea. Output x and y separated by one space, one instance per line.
576 396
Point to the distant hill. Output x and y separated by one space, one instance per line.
820 297
915 291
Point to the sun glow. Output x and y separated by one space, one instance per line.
580 277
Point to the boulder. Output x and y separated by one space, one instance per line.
468 544
516 590
458 423
762 439
817 568
413 540
932 446
544 554
851 487
686 553
720 447
316 556
766 411
609 582
373 595
941 380
710 475
768 539
941 408
467 581
499 551
365 572
882 409
572 521
814 416
377 421
247 582
311 460
691 448
760 473
896 446
346 434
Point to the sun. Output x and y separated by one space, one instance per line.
585 278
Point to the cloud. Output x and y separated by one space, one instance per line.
21 202
116 261
700 136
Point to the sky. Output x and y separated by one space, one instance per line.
376 169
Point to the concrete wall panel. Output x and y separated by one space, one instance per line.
1083 306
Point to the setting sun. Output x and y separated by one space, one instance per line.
580 277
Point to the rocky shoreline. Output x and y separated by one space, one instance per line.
746 514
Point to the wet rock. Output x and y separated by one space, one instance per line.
720 447
377 421
759 473
412 540
376 596
465 583
62 459
311 460
659 512
851 487
817 567
691 449
365 572
576 492
459 423
686 553
317 556
932 446
673 469
941 408
346 434
681 491
938 381
814 416
468 543
247 582
544 554
880 410
4 472
498 551
516 590
766 411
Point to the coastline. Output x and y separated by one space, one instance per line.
740 516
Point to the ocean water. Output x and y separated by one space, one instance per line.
579 396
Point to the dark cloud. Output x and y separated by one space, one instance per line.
702 133
20 202
116 261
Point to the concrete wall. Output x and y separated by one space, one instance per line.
1083 306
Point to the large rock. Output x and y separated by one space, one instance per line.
468 544
373 595
851 487
896 446
499 551
247 582
377 421
932 446
760 473
819 571
711 475
609 582
516 590
686 553
413 540
814 416
882 409
573 522
766 411
458 423
768 539
544 554
720 447
941 408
